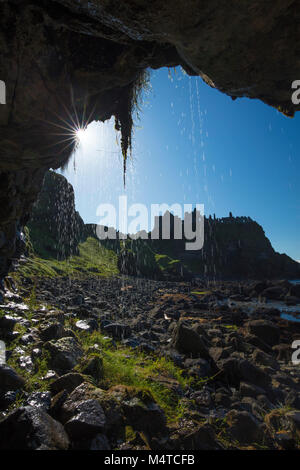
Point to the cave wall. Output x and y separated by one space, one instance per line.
66 62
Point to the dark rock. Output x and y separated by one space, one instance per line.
187 341
264 359
56 404
30 428
7 399
291 300
234 371
201 438
40 400
199 368
274 293
99 442
50 331
218 353
64 354
295 290
283 352
117 330
66 382
265 330
258 343
250 390
9 379
7 324
243 427
94 368
140 410
88 419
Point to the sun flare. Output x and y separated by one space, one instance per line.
81 135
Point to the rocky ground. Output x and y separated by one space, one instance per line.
125 363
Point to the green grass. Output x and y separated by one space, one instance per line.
125 366
93 260
166 263
201 293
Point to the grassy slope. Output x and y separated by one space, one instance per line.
93 259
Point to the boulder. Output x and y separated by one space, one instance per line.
9 379
187 341
51 331
30 428
235 371
265 331
263 359
40 400
117 330
274 293
94 368
66 382
64 354
243 427
295 290
89 325
87 419
140 409
200 438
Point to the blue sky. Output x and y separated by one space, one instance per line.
194 144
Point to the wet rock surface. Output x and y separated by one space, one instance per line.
238 388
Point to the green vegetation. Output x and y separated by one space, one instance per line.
206 292
148 373
93 260
166 263
130 105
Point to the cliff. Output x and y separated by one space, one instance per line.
68 63
234 247
56 228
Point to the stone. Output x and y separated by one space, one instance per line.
88 419
265 330
250 390
294 419
50 331
40 400
264 359
66 382
7 399
274 293
243 427
236 370
94 368
140 409
30 428
99 442
9 379
117 330
201 438
187 341
65 354
89 325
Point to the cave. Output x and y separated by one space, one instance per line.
65 64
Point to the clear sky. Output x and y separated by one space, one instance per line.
194 144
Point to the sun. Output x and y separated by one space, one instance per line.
81 135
